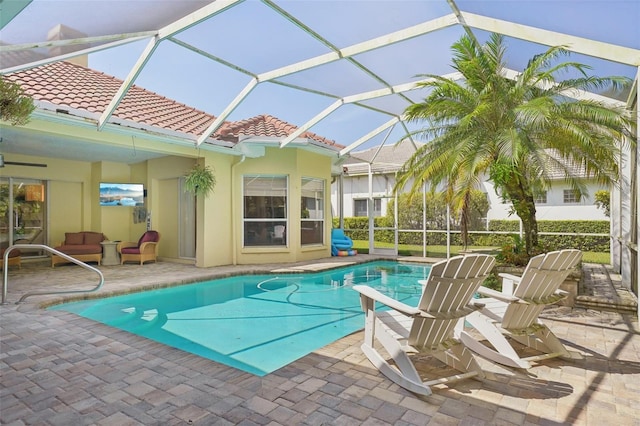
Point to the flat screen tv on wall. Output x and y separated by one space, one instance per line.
121 194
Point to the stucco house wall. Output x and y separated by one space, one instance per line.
164 132
295 165
69 193
355 186
555 208
74 203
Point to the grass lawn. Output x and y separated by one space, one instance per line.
441 251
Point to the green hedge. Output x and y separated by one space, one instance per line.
579 226
358 229
556 242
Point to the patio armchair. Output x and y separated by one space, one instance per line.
142 251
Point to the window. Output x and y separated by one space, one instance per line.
541 198
377 207
360 207
570 196
265 211
312 211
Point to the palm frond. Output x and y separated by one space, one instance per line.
522 133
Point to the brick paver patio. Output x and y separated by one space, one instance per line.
60 369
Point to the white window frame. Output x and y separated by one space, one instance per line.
569 197
541 198
376 212
262 232
314 220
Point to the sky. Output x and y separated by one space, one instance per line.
254 38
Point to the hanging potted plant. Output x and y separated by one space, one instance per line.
200 180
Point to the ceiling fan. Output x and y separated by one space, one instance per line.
18 163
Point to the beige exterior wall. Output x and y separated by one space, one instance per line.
138 175
214 244
165 219
114 221
73 198
295 164
65 210
68 193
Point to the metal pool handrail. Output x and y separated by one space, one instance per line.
51 250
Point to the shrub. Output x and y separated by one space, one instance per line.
15 105
357 228
515 253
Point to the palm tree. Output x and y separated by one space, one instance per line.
513 130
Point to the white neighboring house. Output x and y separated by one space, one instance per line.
383 162
559 203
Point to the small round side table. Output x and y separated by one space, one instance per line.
110 255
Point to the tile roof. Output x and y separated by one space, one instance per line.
393 154
556 167
267 125
74 86
389 159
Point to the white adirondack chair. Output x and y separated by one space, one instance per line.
516 315
427 328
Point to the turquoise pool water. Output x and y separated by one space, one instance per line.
257 323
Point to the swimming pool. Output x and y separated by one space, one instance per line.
256 323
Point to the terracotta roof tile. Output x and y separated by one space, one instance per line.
72 85
267 125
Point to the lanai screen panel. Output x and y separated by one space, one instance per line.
342 69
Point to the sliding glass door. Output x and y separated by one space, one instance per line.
23 213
